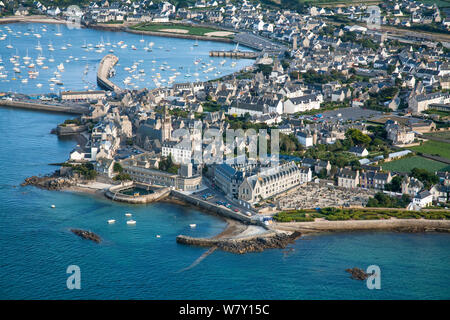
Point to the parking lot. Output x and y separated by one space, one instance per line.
344 114
215 196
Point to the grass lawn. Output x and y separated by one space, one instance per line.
434 148
335 214
192 30
441 134
407 164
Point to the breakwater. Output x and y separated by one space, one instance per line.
256 243
72 109
103 72
234 54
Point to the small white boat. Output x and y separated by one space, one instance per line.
158 236
128 214
192 225
131 222
53 206
111 221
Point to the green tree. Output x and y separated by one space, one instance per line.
357 137
117 167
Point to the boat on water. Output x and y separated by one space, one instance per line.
131 222
111 221
128 214
53 206
60 67
58 34
192 225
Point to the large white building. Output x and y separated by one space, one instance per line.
273 181
181 151
303 103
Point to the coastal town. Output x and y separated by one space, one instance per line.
361 112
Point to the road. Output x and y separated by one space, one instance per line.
217 195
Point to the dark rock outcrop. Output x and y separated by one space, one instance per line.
50 182
241 246
88 235
357 274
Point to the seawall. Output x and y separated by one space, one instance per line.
402 225
113 193
44 107
70 129
220 210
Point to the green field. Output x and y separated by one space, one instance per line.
191 30
407 164
435 148
441 134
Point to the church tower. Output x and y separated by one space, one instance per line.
166 128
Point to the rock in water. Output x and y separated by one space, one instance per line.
88 235
358 274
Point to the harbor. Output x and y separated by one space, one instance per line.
39 58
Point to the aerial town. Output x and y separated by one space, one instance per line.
361 110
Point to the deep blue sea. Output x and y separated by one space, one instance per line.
36 246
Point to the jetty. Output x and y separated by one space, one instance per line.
235 54
104 71
62 108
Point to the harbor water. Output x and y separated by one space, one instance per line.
38 58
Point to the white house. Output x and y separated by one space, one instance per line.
423 199
306 139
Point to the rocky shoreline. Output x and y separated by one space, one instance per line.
259 243
52 182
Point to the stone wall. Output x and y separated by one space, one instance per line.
113 193
220 210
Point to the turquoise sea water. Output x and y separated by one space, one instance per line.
36 245
173 54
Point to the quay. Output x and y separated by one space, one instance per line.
235 54
72 109
103 73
